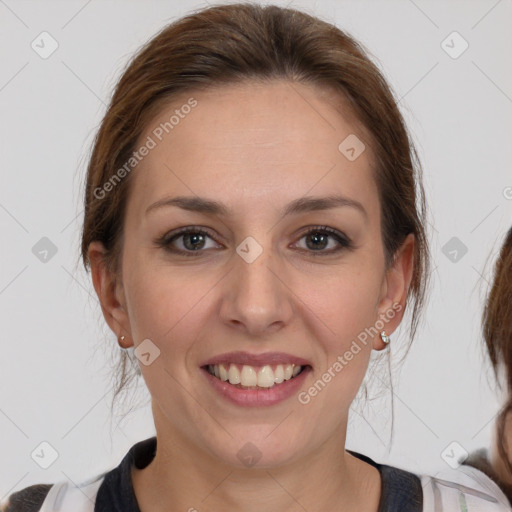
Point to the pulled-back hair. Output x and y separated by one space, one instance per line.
228 44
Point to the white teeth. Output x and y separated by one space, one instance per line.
223 372
248 377
279 374
233 375
263 377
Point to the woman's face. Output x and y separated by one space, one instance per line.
255 282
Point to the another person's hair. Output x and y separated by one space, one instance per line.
229 44
497 330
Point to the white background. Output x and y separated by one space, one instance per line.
54 372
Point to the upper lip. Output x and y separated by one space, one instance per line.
266 358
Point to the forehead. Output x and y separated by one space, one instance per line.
253 139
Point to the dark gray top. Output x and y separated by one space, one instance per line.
401 491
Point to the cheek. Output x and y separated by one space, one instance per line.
344 313
344 357
346 302
167 305
170 312
161 306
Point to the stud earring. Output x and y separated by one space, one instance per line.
130 351
384 337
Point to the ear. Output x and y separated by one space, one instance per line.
394 289
109 288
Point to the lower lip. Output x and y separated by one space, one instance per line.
258 397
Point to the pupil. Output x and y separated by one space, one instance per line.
194 238
317 237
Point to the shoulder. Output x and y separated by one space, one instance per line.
108 491
400 489
58 496
456 490
461 489
29 499
479 459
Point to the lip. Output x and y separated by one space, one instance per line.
257 397
270 358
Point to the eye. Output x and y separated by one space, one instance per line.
319 237
187 241
191 241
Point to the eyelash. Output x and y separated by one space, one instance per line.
167 239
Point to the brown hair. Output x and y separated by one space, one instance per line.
226 44
497 329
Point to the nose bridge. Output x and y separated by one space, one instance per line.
255 283
257 298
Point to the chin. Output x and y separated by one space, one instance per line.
258 452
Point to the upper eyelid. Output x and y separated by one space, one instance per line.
167 239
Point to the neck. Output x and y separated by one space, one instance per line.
182 477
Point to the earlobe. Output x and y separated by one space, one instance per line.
395 289
109 289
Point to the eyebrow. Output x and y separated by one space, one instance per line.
301 205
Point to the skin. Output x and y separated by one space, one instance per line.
254 147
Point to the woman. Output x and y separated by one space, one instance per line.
254 226
497 328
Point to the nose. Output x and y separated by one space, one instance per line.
256 298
